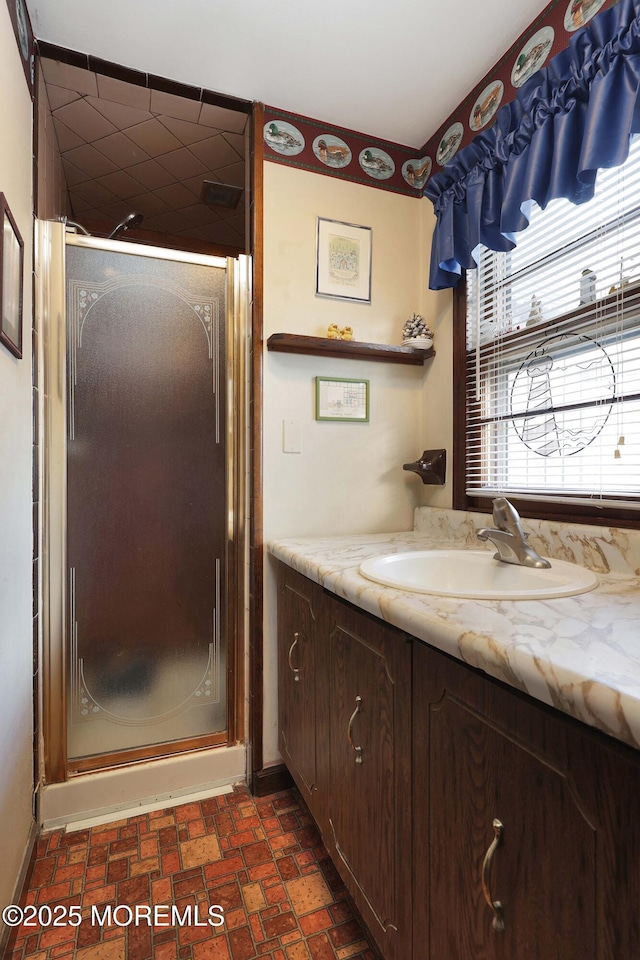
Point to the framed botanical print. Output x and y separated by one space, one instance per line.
343 261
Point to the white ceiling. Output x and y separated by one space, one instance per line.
390 68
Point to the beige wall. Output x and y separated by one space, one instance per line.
348 477
438 398
15 489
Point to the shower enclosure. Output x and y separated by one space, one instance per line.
146 496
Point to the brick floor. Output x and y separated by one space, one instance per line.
255 868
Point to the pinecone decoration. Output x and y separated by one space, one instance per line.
414 329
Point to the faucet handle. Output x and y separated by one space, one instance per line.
506 517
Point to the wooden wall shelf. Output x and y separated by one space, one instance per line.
349 349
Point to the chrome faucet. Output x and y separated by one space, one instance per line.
509 538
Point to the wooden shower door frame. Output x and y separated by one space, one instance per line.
57 768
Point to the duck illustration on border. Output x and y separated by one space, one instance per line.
579 12
416 172
449 143
285 138
377 163
532 56
486 105
332 151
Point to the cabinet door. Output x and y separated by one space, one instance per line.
369 793
508 820
563 862
299 633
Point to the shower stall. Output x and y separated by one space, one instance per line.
144 435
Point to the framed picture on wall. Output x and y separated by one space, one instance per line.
11 271
343 261
340 399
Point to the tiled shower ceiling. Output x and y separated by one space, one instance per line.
126 147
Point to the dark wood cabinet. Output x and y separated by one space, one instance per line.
345 735
468 821
302 688
518 806
370 776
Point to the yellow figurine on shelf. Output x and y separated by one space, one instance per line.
335 333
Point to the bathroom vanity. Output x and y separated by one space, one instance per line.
435 741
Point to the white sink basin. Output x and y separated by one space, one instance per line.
474 574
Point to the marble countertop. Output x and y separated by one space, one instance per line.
578 654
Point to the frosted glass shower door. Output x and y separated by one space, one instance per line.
146 501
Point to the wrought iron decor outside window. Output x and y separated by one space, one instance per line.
553 353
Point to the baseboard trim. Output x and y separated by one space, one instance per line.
22 882
271 780
116 793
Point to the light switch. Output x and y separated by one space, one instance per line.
291 436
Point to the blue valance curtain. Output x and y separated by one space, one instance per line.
568 120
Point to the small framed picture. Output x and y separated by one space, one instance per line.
340 399
11 267
343 261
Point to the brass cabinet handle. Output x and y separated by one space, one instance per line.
294 670
495 905
358 750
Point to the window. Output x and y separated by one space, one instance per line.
551 359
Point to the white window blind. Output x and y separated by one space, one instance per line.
553 352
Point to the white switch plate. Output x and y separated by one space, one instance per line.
291 436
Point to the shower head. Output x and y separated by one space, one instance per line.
130 221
